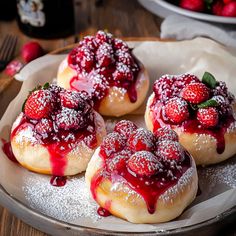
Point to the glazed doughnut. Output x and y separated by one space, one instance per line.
105 67
201 112
142 177
57 132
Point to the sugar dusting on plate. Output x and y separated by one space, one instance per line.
66 203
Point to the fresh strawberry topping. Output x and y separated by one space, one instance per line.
176 110
208 117
125 128
144 163
39 104
141 140
112 143
170 150
195 93
229 9
166 133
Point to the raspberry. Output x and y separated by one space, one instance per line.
193 5
71 99
141 140
144 163
166 133
176 110
125 128
31 51
217 8
105 55
119 44
39 104
208 117
195 93
124 57
102 37
85 58
122 73
69 119
118 162
44 127
112 143
89 42
170 150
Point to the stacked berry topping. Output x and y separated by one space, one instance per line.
56 114
148 163
185 97
107 62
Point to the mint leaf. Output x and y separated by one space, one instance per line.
208 103
46 86
209 80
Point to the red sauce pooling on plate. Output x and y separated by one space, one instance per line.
103 62
103 212
8 151
58 181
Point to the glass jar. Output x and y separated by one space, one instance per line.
46 18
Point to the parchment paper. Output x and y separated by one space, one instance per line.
72 203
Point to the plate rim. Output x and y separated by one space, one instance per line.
192 14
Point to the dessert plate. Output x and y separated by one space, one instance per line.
69 210
163 8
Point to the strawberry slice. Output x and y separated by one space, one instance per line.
195 93
176 110
208 117
39 104
144 163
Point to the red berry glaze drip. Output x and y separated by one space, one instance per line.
102 62
6 148
63 121
103 212
140 167
209 120
58 181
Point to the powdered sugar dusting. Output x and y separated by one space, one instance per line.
66 203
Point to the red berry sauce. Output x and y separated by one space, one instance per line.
62 129
171 86
102 64
157 176
58 181
6 148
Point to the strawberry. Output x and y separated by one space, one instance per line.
69 119
112 143
229 9
176 110
39 104
195 93
144 163
13 67
44 126
193 5
166 133
71 99
31 51
118 161
227 1
208 117
217 8
141 140
105 55
122 73
170 150
125 128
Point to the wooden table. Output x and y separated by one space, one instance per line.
123 18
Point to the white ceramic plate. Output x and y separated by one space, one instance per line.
164 9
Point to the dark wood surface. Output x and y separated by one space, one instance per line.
124 18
